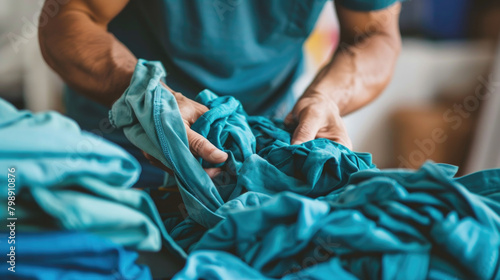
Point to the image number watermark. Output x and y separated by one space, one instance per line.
11 218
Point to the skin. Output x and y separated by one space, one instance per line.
76 44
357 73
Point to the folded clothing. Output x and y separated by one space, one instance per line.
67 179
68 255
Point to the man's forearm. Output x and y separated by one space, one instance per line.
358 73
364 63
86 56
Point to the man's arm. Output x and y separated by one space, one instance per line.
77 45
358 72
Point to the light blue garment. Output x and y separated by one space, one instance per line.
69 255
392 224
258 149
69 179
93 117
249 49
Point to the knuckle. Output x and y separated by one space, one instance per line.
314 111
198 144
304 129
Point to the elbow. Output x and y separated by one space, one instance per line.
44 31
397 44
50 32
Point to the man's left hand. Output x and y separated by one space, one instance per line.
317 116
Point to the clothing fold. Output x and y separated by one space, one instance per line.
258 148
389 224
69 179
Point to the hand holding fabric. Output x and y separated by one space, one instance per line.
190 111
317 117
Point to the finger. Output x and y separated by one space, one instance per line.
344 140
289 119
342 135
212 172
337 134
306 130
202 147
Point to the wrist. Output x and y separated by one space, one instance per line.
332 101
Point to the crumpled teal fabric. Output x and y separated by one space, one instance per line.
310 211
68 179
261 159
392 224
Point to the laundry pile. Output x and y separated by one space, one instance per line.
70 185
276 211
391 224
261 160
309 211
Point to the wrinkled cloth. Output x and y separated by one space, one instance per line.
391 224
249 49
310 211
69 255
261 159
68 179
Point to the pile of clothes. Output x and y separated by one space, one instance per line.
276 211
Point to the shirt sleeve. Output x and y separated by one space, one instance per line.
367 5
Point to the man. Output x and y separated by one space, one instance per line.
251 49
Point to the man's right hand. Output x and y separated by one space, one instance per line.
199 145
190 111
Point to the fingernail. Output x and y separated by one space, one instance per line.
218 155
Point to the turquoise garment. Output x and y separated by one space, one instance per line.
249 49
392 224
69 255
93 117
258 149
220 44
311 210
70 179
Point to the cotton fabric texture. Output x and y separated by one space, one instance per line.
315 210
391 224
69 179
249 49
261 160
69 255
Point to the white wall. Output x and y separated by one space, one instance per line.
423 69
22 65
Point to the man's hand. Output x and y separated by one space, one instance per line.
199 145
190 111
357 73
317 116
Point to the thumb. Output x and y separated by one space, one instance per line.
200 146
306 130
289 119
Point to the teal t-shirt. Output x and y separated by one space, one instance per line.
249 49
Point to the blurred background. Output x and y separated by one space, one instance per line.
443 103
